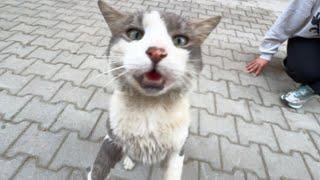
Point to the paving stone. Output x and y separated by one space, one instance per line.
30 171
71 74
95 40
204 149
224 126
206 72
93 50
314 166
221 74
12 82
41 144
15 64
48 32
299 121
92 62
284 166
18 49
310 106
244 92
254 133
67 45
267 114
43 69
76 153
214 61
208 174
242 157
228 106
67 26
194 125
99 100
76 95
10 166
44 41
316 139
23 27
39 111
270 98
205 101
100 131
9 133
295 141
40 87
22 38
98 79
77 120
10 105
248 79
77 175
189 172
67 36
68 58
140 172
44 54
219 87
4 44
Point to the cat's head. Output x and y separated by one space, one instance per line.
155 53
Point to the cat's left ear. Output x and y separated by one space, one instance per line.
114 18
203 28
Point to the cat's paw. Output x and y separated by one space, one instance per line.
128 164
89 176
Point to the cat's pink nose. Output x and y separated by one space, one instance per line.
156 54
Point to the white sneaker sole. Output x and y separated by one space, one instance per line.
293 106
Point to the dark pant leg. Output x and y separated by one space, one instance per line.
316 87
303 61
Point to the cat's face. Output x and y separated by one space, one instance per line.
155 53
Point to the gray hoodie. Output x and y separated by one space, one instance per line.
300 19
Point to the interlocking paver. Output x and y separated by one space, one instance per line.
205 101
242 157
15 64
40 87
206 173
74 119
296 141
10 166
224 126
198 147
44 54
92 62
43 69
75 153
68 58
10 105
41 144
190 171
219 87
314 166
30 171
39 111
12 82
228 106
44 41
261 134
244 92
99 100
73 94
284 166
9 133
18 49
22 38
299 121
71 74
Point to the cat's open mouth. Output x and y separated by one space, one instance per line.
151 80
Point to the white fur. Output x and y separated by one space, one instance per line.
128 164
174 167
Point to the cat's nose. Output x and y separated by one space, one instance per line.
156 54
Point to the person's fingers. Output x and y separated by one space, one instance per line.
251 66
258 71
253 69
251 63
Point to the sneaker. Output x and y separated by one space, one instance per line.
296 99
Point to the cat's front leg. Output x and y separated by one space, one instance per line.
109 154
174 166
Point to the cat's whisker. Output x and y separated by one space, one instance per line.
115 78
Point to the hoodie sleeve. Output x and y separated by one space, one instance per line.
288 23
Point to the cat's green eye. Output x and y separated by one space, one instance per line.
180 40
134 34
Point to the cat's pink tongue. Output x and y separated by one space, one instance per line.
153 75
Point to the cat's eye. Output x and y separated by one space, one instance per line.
134 34
180 40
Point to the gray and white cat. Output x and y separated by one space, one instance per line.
155 58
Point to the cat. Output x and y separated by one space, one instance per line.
155 58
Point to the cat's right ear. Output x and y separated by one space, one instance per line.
113 17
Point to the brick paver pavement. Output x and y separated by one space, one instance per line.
54 105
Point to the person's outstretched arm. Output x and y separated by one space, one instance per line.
288 23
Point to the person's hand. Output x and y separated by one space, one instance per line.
256 66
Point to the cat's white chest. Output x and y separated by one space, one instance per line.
149 134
